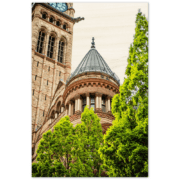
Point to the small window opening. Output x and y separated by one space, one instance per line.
47 82
64 26
59 73
43 113
45 97
33 92
44 16
57 23
49 68
51 19
35 77
37 63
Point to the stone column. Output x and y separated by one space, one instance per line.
62 109
97 103
56 115
46 43
100 101
87 100
77 104
70 103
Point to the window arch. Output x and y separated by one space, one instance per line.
61 51
51 46
40 42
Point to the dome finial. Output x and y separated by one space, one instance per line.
93 43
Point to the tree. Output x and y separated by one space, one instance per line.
70 151
125 150
89 137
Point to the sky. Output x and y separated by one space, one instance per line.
112 25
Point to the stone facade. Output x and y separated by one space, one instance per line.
52 95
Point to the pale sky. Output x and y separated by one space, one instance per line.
112 25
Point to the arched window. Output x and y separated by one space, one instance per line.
83 103
40 42
51 19
92 102
50 46
58 23
58 108
61 51
64 26
44 16
35 77
103 104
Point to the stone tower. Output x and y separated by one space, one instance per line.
52 36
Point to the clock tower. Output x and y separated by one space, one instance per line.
52 36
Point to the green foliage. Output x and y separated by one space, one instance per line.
85 152
125 149
70 151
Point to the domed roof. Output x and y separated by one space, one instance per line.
93 62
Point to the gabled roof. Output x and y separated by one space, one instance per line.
93 62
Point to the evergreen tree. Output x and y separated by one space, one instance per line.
125 150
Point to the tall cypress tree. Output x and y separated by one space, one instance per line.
125 150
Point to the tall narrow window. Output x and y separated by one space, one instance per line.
33 92
37 63
61 51
47 82
40 42
44 15
49 68
57 23
83 103
35 77
50 46
93 102
43 113
64 26
74 108
45 97
103 104
51 19
59 73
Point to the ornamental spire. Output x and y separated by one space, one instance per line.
93 43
